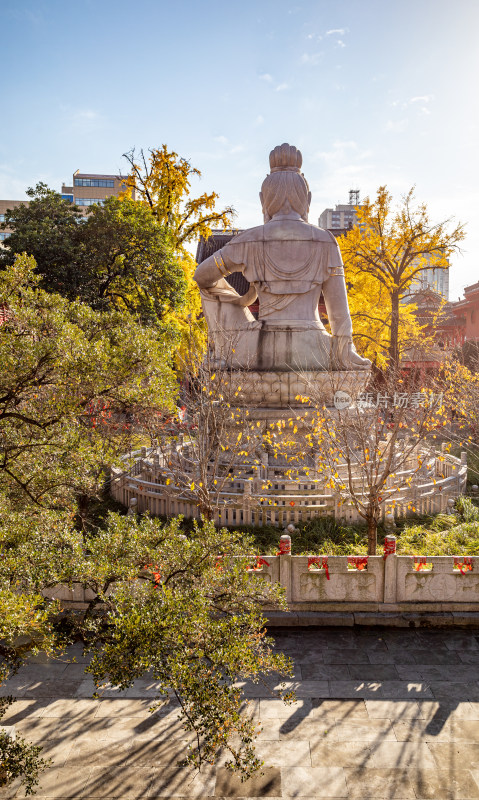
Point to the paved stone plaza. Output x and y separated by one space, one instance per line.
380 713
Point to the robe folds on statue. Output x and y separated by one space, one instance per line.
277 267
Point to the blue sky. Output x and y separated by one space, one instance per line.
372 92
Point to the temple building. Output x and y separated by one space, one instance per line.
467 313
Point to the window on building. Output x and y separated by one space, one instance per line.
89 201
94 182
4 236
2 217
67 197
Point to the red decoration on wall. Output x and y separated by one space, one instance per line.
322 563
359 562
389 546
419 563
284 546
463 563
259 565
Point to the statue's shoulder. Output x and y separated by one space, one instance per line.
295 230
249 235
322 235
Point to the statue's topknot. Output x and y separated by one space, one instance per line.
285 158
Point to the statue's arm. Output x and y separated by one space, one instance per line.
211 273
336 302
212 270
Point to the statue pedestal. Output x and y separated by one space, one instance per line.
281 391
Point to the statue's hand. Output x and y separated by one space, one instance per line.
344 355
357 361
223 290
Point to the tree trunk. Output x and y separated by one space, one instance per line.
394 337
372 535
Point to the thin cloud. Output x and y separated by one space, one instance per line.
348 144
28 15
338 31
425 98
86 115
83 117
220 139
83 120
265 76
282 87
312 59
396 126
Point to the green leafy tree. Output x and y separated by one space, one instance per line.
69 376
117 256
129 262
193 619
184 609
48 229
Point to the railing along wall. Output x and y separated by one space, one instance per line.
384 583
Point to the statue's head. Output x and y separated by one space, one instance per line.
285 189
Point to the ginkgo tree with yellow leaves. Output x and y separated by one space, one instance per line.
162 180
375 451
383 255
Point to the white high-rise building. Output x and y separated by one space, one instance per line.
432 278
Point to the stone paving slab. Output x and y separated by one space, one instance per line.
380 714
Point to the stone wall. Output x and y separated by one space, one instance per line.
352 585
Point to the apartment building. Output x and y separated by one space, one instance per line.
342 218
431 278
5 205
89 188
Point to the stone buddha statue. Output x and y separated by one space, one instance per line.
288 263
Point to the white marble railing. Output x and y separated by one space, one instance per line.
286 501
